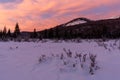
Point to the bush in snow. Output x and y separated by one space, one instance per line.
68 53
69 61
93 64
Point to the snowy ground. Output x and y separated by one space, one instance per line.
21 61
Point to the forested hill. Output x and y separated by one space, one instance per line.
84 28
77 28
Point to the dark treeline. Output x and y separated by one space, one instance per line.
8 35
17 35
109 28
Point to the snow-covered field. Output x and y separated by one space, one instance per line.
49 60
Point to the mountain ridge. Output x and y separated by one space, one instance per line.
109 28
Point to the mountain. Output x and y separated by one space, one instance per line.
84 28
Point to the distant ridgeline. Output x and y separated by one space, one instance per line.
77 28
85 29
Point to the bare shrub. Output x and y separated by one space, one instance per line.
84 57
69 61
68 53
42 57
93 64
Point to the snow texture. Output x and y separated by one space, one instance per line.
41 60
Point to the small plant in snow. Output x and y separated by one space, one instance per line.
79 56
13 48
68 61
42 58
84 57
68 53
62 56
93 64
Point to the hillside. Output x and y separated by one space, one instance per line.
84 28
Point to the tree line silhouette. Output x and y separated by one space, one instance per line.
108 28
100 29
17 35
7 34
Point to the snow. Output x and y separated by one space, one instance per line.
114 17
20 60
76 22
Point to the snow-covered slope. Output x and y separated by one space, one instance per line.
22 61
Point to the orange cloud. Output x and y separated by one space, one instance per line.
42 14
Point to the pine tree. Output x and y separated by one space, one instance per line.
45 34
4 31
50 33
35 34
56 33
9 33
16 31
1 33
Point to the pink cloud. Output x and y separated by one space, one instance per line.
42 14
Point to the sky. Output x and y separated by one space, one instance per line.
44 14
